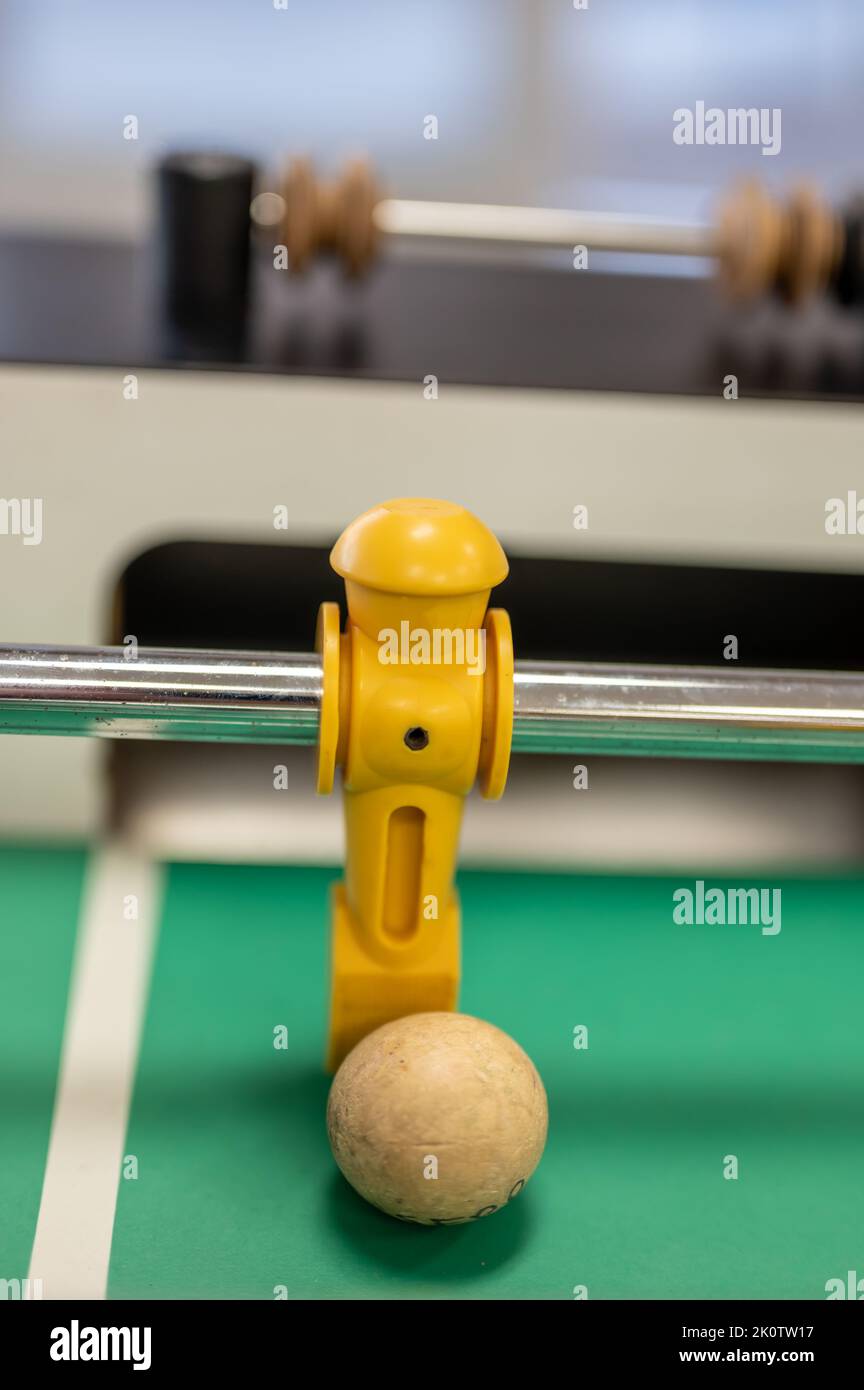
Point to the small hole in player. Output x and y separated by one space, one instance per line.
416 738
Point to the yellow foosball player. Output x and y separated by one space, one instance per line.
417 704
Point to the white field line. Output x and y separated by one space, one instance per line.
107 1003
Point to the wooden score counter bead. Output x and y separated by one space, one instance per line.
766 246
332 216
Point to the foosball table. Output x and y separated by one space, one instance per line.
169 1025
615 816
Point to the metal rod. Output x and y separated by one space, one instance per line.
689 712
250 697
111 692
526 226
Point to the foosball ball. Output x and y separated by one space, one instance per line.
618 992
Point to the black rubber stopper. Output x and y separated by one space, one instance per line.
849 277
204 230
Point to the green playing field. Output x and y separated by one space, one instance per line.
703 1042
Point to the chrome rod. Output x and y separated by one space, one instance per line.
689 712
527 226
189 696
252 697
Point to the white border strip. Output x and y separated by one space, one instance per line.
108 998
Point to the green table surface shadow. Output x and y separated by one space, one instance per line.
703 1042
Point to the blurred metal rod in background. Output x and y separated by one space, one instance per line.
249 697
526 226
